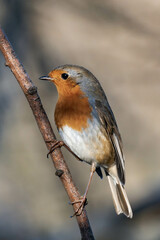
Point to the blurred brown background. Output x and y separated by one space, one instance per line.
119 41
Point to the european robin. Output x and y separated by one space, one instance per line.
88 128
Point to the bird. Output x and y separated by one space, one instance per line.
88 128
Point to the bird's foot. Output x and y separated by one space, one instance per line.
56 144
83 202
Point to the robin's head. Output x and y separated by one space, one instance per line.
68 78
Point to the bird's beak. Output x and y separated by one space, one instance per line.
47 78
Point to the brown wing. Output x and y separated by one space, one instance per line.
108 120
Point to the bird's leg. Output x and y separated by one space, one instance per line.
83 200
57 144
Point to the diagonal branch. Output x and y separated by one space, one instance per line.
45 128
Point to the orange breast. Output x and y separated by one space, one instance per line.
73 110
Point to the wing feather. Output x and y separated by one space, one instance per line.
108 121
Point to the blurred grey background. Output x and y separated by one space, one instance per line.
119 41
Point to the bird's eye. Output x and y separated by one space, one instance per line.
64 76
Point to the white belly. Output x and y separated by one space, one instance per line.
90 144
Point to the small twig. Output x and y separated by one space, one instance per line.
33 98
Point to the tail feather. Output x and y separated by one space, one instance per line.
119 196
114 196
